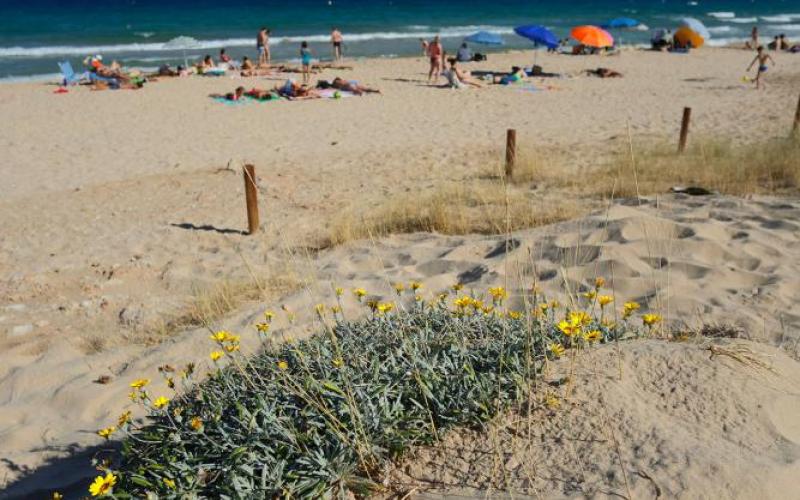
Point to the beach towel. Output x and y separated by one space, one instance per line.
335 94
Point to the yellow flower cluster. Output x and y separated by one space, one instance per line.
498 293
629 308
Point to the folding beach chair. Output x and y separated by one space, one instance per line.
70 77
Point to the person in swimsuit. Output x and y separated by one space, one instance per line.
604 73
230 96
305 58
762 58
294 91
753 43
351 86
336 41
461 76
262 43
517 75
435 56
249 69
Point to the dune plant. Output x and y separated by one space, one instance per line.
325 416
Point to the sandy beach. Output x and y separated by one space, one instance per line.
118 209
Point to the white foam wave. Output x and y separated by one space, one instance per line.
785 27
744 20
721 29
722 15
144 34
722 42
777 19
83 50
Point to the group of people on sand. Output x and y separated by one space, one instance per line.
295 91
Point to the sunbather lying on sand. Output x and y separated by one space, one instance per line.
249 69
348 86
262 95
517 75
230 96
604 73
295 91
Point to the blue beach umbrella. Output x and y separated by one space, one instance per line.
485 38
538 35
696 26
622 22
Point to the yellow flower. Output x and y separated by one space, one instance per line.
605 300
555 304
590 294
139 383
650 319
599 282
579 318
498 293
629 308
399 287
107 432
552 401
457 287
103 485
514 314
169 483
385 307
320 308
463 302
57 496
415 285
592 336
133 395
359 293
338 363
487 310
220 336
441 297
215 355
567 328
262 327
232 347
556 349
418 298
339 291
283 365
268 315
160 402
336 309
196 423
124 418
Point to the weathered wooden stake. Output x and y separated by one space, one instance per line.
796 125
251 196
687 114
511 152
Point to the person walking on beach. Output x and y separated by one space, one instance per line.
262 43
761 58
305 59
435 55
336 41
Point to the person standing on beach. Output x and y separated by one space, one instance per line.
305 58
753 43
762 58
336 41
435 55
425 46
262 43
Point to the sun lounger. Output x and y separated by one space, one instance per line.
69 75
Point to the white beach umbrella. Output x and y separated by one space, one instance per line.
183 43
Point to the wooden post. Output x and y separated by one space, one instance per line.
796 125
687 114
251 197
511 152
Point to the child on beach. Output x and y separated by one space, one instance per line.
435 53
761 58
262 43
305 59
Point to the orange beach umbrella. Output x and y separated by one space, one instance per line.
685 36
592 36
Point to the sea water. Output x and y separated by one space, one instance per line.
36 34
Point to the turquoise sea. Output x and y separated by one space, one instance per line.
35 34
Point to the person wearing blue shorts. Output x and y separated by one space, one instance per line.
762 58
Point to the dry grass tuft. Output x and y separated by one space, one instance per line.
480 207
208 305
771 167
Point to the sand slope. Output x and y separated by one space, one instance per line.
697 260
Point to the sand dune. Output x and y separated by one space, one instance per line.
700 261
